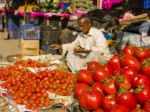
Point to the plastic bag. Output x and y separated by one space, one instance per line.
107 4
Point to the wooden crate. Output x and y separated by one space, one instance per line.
30 47
9 47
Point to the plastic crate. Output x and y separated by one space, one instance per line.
14 34
147 4
11 25
30 32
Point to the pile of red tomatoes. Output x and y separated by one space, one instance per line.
30 89
121 85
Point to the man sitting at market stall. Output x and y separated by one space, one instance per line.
89 45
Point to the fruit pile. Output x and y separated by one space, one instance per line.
28 8
31 63
121 85
30 89
85 5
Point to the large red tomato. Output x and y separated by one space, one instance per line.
98 110
85 76
117 72
108 69
130 61
127 98
109 102
129 50
140 80
119 108
109 87
146 71
122 81
100 74
146 68
115 62
146 106
143 94
97 86
93 65
129 72
142 53
79 88
90 100
138 110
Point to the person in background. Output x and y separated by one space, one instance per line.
70 32
89 45
13 18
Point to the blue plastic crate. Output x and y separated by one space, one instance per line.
14 34
30 31
11 25
146 4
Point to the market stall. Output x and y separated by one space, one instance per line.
36 78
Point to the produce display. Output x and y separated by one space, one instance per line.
50 6
121 85
85 5
30 89
27 8
31 63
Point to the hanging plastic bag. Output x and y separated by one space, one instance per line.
107 4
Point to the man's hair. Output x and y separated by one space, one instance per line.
86 17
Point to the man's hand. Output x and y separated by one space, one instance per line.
81 50
55 46
16 12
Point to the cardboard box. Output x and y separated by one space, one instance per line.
17 47
30 47
9 47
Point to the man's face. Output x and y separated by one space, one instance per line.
85 25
